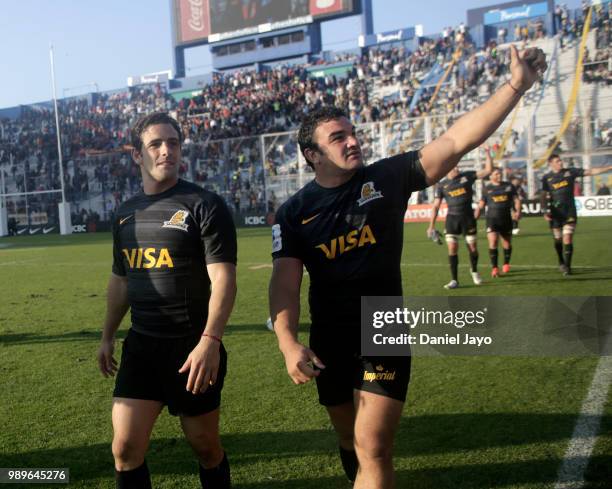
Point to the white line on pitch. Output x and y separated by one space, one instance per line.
576 460
549 267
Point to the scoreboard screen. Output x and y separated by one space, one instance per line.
218 20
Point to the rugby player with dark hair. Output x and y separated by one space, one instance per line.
457 190
174 267
346 227
560 208
503 206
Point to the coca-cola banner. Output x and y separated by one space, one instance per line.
193 20
325 7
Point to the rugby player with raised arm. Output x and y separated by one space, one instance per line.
346 228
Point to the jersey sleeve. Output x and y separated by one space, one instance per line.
217 231
484 198
118 264
409 171
513 192
285 240
439 194
578 172
545 186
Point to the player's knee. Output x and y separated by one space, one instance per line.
209 456
207 449
373 448
127 453
451 239
568 230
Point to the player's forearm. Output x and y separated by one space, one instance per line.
598 171
284 312
517 207
221 302
434 215
117 305
284 297
471 130
488 168
545 202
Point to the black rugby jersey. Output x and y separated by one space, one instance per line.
162 244
560 188
499 199
458 192
350 237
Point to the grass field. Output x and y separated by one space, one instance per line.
495 422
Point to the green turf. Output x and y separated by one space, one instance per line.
468 423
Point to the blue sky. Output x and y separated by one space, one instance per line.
104 42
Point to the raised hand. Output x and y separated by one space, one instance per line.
526 67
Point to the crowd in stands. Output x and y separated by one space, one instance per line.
221 124
598 67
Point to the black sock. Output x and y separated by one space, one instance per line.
568 251
454 262
350 464
218 477
559 250
507 255
137 478
514 224
474 260
493 255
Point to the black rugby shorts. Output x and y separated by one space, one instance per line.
499 224
149 370
464 224
346 370
561 218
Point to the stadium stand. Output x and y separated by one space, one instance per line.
240 130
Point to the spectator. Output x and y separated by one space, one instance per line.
603 189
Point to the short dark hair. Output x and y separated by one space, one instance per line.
553 157
310 124
151 120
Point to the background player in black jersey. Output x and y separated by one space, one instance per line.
503 206
560 207
174 248
458 190
517 181
346 228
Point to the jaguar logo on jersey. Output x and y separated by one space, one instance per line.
177 221
148 258
380 374
350 241
368 193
